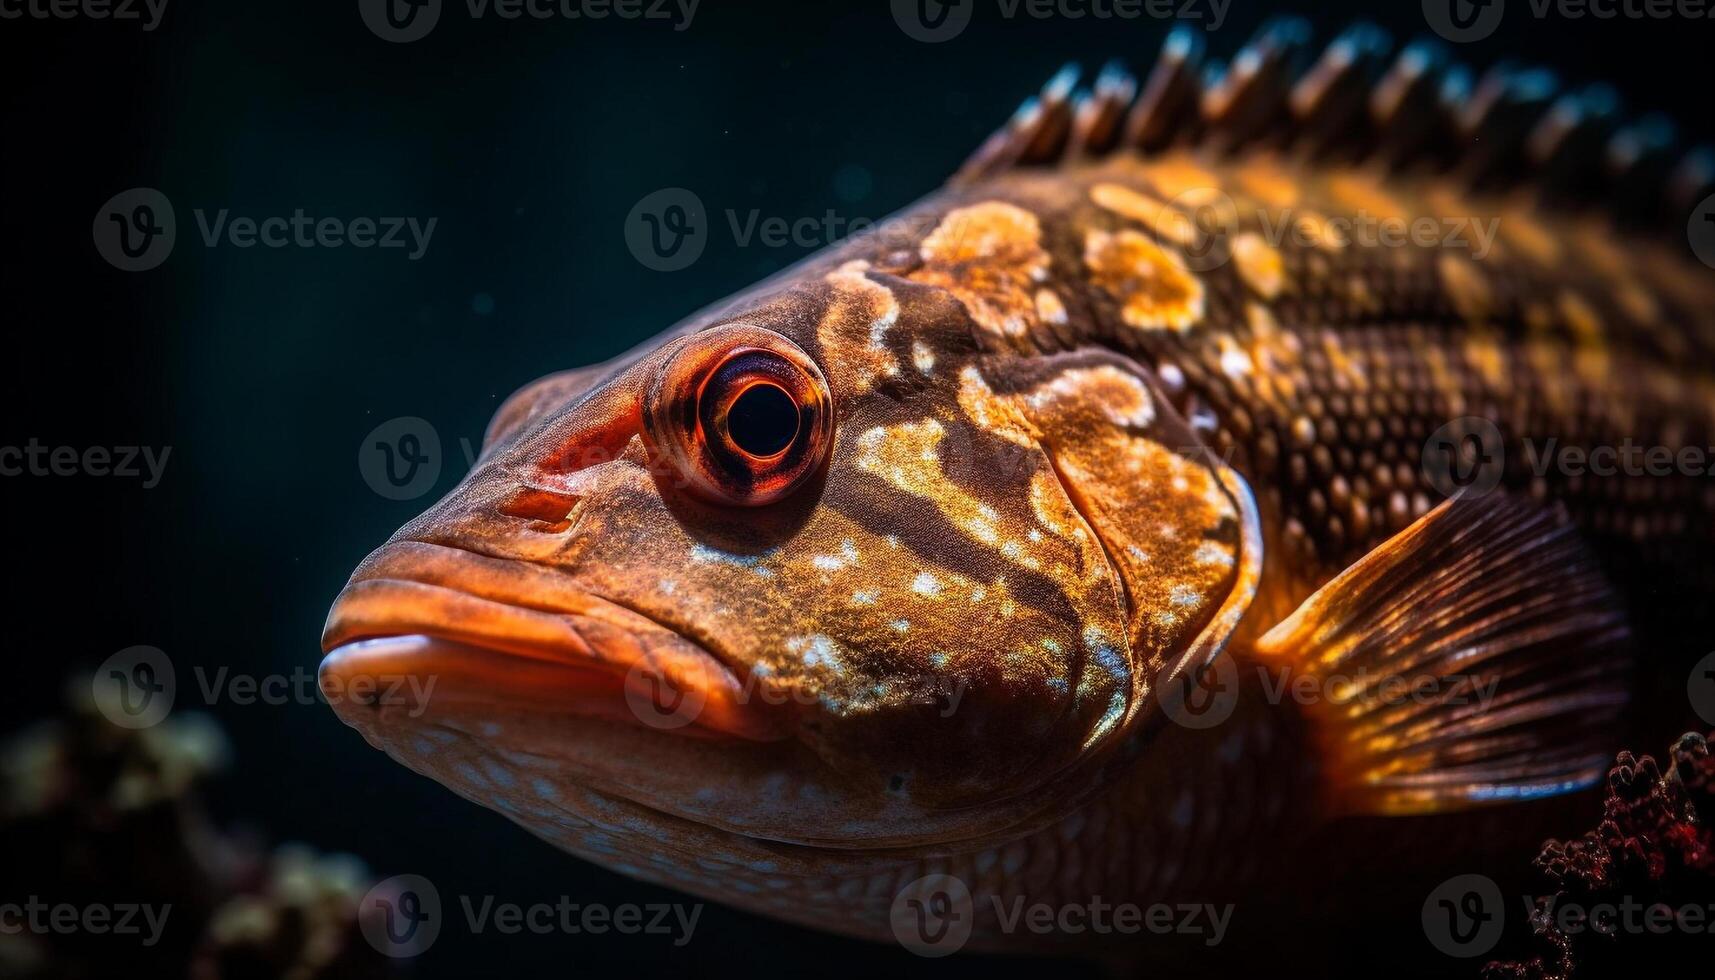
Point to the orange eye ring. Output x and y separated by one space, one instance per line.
741 414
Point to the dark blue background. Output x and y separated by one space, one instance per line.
263 369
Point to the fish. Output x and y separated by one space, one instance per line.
1251 446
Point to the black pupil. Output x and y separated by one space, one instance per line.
763 420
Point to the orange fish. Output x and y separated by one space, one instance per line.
1197 464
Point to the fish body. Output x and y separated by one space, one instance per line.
917 560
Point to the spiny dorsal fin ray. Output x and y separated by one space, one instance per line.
1419 111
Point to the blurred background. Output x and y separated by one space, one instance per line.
527 142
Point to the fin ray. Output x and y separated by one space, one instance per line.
1355 101
1494 597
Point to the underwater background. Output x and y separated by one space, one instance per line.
263 373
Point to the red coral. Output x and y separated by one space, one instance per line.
1653 846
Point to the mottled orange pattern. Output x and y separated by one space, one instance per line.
1153 287
990 256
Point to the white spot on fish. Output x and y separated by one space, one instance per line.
847 557
926 584
816 650
923 357
1214 554
703 554
1105 654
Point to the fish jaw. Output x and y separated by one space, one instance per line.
400 638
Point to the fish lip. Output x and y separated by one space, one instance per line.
421 638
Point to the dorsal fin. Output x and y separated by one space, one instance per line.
1357 100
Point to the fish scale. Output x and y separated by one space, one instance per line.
1142 395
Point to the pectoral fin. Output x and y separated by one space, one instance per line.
1476 657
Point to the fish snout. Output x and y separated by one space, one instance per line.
425 629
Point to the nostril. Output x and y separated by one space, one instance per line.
554 511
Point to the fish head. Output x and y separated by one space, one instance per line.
821 574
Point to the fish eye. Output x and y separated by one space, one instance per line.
741 415
762 421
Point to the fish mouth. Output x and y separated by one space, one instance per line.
426 627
